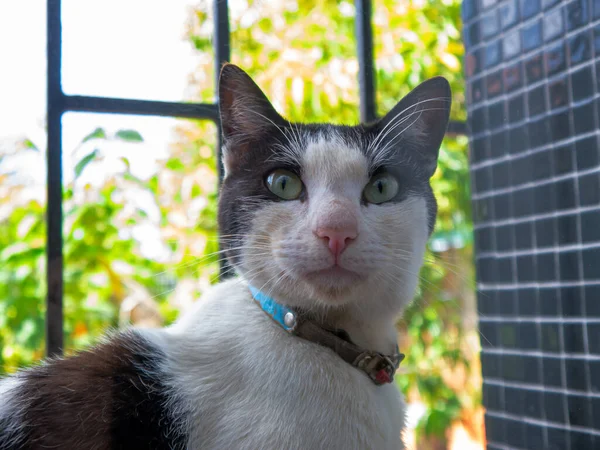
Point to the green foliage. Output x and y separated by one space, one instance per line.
103 261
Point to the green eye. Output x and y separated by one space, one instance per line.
381 188
284 184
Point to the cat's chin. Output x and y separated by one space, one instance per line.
335 280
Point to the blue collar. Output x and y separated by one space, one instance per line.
279 313
379 367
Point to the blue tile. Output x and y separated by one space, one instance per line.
511 45
571 297
494 84
534 68
515 433
590 232
509 14
560 129
469 9
557 438
493 54
552 373
558 92
536 98
582 84
577 14
490 26
473 35
532 36
548 3
589 195
534 436
566 228
586 150
573 338
583 119
513 78
580 48
516 109
569 262
576 374
591 256
550 337
485 4
529 8
554 405
581 440
564 157
555 59
554 24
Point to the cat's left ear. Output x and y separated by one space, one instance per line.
417 124
244 109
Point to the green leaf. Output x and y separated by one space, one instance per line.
129 136
84 162
98 133
175 165
27 143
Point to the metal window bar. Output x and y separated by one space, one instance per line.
58 103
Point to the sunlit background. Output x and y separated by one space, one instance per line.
140 193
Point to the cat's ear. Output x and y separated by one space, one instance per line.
418 123
245 110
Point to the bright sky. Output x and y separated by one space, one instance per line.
114 48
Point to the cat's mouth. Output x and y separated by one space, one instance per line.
334 276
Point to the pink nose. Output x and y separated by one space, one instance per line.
337 240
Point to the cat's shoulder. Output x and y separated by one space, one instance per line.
112 392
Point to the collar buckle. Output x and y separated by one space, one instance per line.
380 368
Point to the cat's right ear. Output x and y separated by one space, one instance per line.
245 111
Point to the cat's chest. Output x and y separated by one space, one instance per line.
261 388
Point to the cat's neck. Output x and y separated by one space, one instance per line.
371 331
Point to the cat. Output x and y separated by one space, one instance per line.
326 228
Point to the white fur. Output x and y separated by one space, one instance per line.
9 407
248 384
245 383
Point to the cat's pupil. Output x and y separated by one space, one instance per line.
283 183
380 186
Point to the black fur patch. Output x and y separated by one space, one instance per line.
110 397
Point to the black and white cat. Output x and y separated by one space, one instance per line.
326 227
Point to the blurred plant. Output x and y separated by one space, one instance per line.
103 261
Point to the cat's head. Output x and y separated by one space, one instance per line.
321 215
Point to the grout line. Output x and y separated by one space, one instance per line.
538 388
539 354
521 187
573 139
550 215
540 251
538 319
541 423
539 285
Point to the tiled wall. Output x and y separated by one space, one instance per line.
532 69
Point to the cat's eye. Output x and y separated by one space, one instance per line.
284 184
381 188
